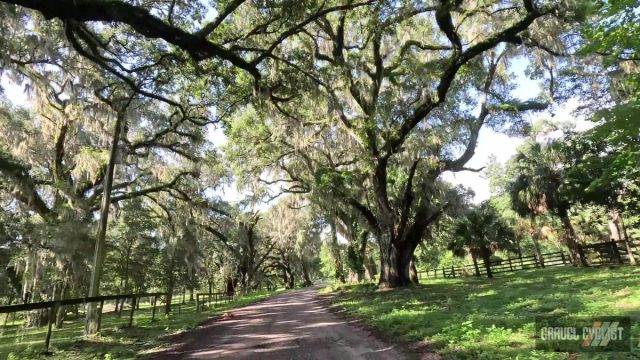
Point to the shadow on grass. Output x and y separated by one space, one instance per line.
478 318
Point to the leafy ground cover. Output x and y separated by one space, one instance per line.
116 340
474 318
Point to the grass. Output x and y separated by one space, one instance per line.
474 318
116 340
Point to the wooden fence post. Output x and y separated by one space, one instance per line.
100 314
133 307
564 261
153 312
510 265
52 312
444 275
197 302
453 271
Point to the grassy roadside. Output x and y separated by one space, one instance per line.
116 340
479 319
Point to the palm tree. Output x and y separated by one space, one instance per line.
537 189
481 232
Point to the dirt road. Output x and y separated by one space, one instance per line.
295 325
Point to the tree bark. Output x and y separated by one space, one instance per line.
230 287
486 259
395 263
91 323
62 309
474 257
619 232
413 272
370 267
362 254
125 288
305 273
167 304
577 254
536 241
335 252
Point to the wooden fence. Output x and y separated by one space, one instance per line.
605 253
612 252
53 306
223 297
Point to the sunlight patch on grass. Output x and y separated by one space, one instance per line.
475 318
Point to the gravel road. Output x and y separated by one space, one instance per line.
294 325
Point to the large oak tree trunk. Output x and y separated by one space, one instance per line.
395 264
413 272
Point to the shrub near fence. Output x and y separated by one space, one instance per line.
605 253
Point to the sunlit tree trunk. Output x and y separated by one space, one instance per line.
64 290
535 237
335 252
578 257
362 254
370 267
413 272
619 232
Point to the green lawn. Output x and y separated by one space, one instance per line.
116 340
475 318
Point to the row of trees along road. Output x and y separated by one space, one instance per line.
353 108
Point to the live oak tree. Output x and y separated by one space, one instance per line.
294 229
195 50
360 105
401 91
75 108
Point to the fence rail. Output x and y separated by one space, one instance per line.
54 305
599 254
47 304
217 297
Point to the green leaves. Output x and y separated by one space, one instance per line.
482 226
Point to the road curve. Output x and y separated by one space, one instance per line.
294 325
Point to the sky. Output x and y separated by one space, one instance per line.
490 143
